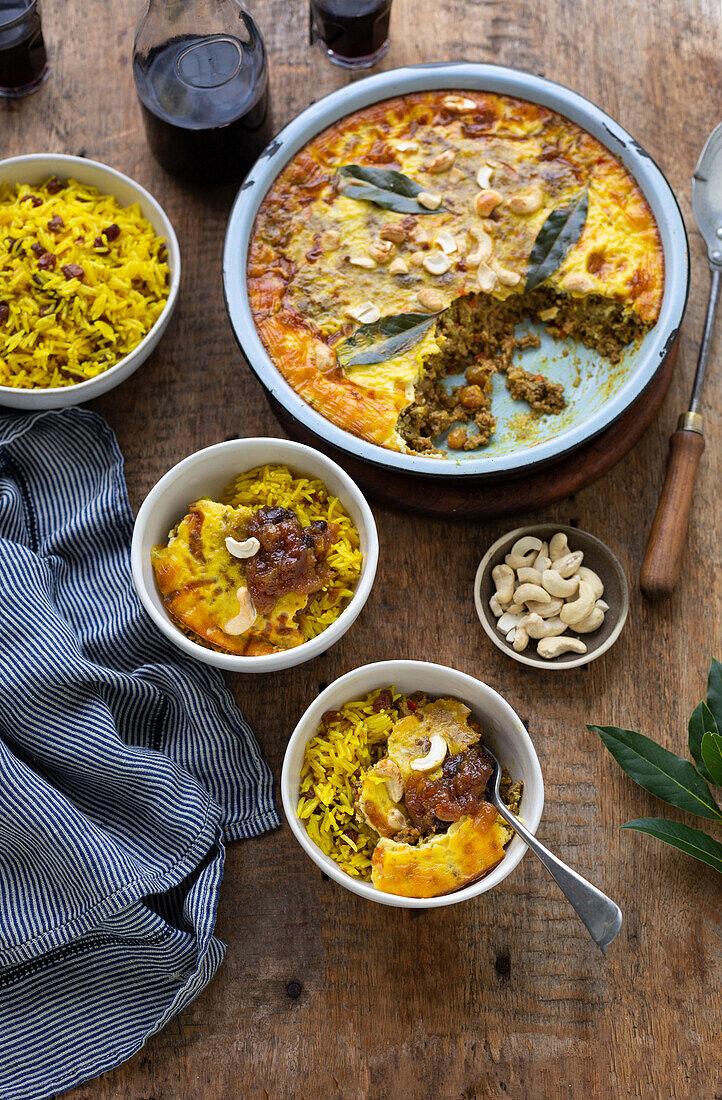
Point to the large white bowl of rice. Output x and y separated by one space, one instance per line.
209 475
311 756
89 278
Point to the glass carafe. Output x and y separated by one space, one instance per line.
201 75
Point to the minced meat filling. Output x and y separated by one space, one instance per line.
477 339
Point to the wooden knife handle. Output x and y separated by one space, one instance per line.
662 563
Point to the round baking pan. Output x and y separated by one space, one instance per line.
595 405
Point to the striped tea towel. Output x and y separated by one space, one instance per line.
124 764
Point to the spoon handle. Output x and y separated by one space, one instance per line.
602 917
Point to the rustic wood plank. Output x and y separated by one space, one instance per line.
322 995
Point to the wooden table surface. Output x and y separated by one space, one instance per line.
324 995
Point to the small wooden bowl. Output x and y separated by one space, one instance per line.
597 556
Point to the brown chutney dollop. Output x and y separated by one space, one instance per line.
291 558
459 790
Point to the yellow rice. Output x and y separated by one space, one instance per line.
310 500
56 329
332 766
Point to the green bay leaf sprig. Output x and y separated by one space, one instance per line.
559 233
383 339
385 187
695 842
674 779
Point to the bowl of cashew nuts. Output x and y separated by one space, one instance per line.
551 596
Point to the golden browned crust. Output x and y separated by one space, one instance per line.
301 289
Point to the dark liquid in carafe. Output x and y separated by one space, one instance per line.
205 104
23 60
352 28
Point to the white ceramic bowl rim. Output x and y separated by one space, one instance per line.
493 78
384 673
54 165
294 455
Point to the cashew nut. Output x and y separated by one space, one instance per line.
602 605
442 161
521 640
526 575
459 104
485 278
398 267
503 578
511 635
382 251
574 612
324 357
556 585
434 757
486 201
446 241
429 199
592 579
330 239
536 627
394 780
593 621
568 564
430 299
558 546
505 275
527 203
246 616
515 608
483 250
542 561
517 562
437 263
366 314
245 549
483 176
496 608
362 261
507 621
532 592
554 647
526 543
545 611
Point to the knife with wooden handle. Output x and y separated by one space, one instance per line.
662 563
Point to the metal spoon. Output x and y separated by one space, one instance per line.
663 560
602 917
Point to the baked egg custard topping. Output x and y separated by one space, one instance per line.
487 183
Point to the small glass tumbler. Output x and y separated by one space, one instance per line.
23 61
353 33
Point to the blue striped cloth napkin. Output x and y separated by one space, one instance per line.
124 765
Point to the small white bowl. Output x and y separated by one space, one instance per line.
597 556
503 731
207 473
34 169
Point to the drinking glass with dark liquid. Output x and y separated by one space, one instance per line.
354 33
23 61
201 75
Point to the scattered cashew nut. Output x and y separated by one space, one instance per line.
526 543
554 647
435 756
527 575
545 610
496 608
503 577
533 592
521 640
394 779
246 549
557 585
508 621
578 610
593 621
568 564
592 579
246 616
558 546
